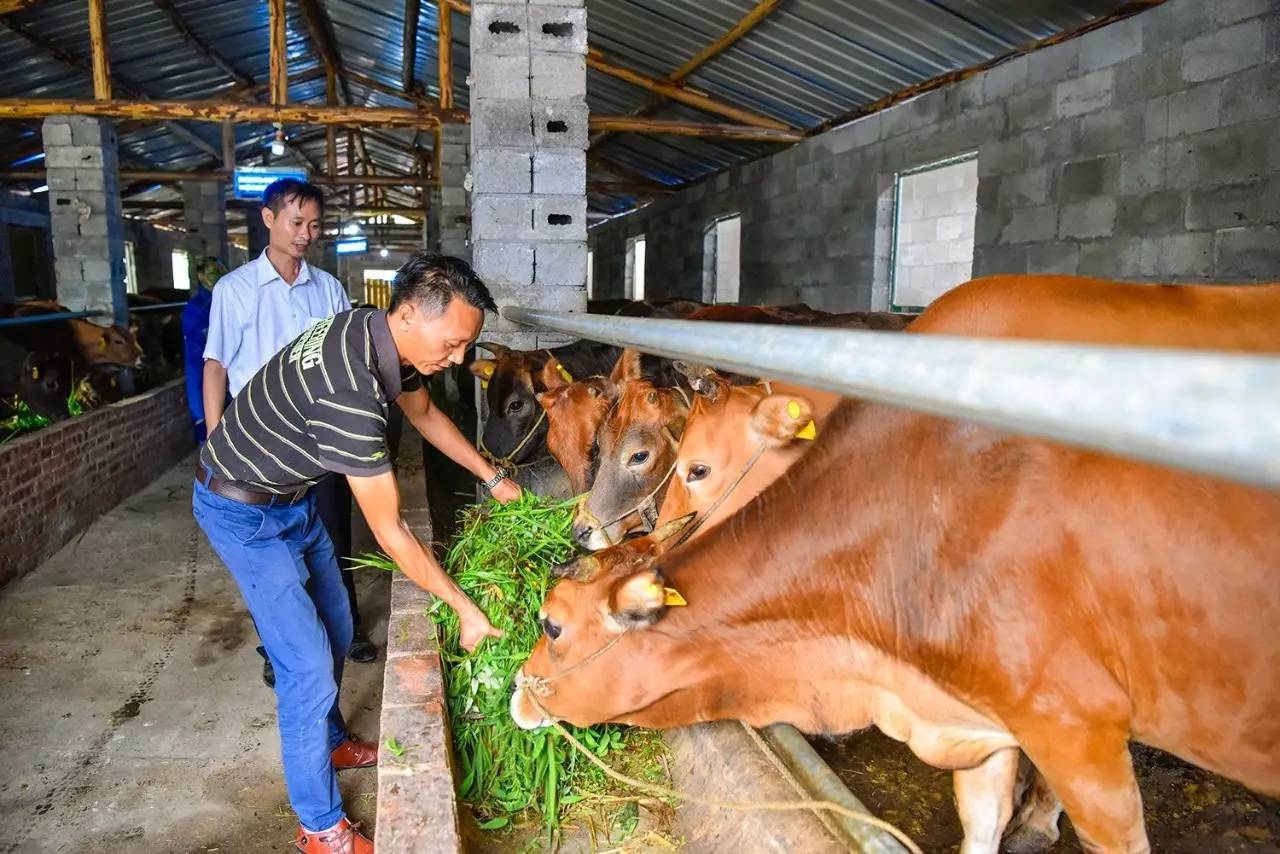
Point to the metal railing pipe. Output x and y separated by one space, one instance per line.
160 306
52 317
1208 412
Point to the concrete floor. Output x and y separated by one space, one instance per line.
132 712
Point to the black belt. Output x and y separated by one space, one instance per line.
227 489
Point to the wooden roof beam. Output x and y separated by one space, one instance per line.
10 6
699 129
761 10
279 60
326 44
188 35
444 49
409 46
237 111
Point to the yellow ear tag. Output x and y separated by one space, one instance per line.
102 343
35 373
673 598
484 384
793 409
808 432
564 373
488 371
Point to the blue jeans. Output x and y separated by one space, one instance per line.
284 563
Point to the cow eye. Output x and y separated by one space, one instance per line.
515 406
697 472
551 629
637 458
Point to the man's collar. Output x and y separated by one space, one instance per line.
385 353
266 271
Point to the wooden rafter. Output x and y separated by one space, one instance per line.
228 146
676 128
279 62
444 50
98 50
219 111
188 35
761 10
409 45
172 176
10 6
378 86
325 42
624 172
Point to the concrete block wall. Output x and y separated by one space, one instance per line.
1146 150
528 169
85 214
205 213
45 497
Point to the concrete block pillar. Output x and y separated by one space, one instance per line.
528 159
205 209
450 198
85 215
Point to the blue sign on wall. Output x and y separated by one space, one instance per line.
250 181
352 245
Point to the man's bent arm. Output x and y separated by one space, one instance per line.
442 433
379 500
214 393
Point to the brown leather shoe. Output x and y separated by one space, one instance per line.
354 754
342 838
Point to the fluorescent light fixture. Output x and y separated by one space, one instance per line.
352 246
43 188
382 253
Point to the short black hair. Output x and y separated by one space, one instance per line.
280 193
430 281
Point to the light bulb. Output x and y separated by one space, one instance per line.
382 253
277 144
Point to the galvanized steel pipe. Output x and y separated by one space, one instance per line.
1208 412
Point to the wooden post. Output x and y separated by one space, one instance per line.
445 53
279 57
351 168
331 133
409 46
228 147
98 44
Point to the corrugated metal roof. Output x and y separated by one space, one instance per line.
807 62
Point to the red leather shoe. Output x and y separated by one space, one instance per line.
342 838
354 754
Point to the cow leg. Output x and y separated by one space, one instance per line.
984 799
1090 769
1036 825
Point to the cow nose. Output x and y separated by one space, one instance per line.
582 534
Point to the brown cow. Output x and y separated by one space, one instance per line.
574 411
990 591
622 487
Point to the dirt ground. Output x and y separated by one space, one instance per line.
1188 811
132 708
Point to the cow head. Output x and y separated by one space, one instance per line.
46 382
595 617
574 413
636 446
516 427
736 441
106 345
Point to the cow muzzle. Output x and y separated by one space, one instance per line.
524 712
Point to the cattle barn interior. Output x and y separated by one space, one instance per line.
981 595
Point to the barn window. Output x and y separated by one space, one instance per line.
935 206
130 267
722 260
181 272
591 273
635 268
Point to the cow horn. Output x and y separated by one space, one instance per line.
495 348
579 569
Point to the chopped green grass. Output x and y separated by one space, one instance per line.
502 559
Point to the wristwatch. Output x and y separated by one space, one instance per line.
499 475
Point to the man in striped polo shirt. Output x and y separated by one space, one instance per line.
318 408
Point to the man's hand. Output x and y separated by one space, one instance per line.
474 627
506 491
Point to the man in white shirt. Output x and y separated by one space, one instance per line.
258 309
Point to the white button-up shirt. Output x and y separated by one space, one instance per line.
256 313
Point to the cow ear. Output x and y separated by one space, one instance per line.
627 368
581 569
553 375
484 368
779 419
637 600
548 399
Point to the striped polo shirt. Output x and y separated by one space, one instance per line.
317 406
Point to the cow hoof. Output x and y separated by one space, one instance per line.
1028 840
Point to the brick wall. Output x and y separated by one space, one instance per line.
55 482
1144 150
